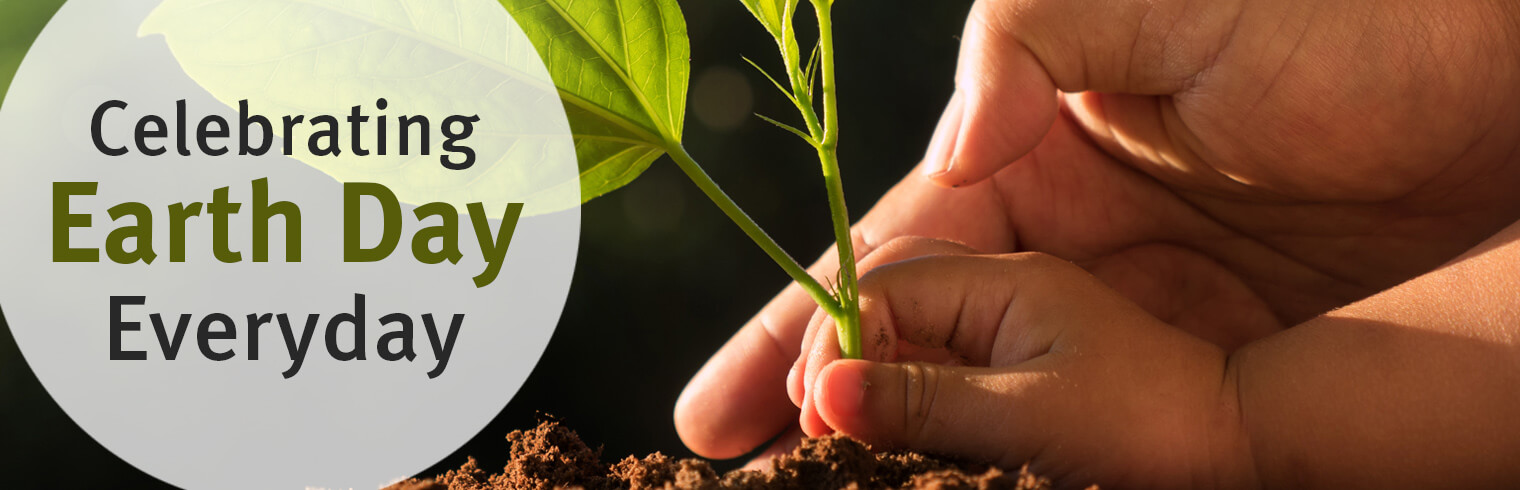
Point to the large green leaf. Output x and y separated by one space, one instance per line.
426 57
19 24
622 68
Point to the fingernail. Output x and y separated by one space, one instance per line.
843 387
794 386
941 152
811 420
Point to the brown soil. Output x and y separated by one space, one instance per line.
552 456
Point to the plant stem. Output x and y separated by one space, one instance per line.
698 176
848 320
805 105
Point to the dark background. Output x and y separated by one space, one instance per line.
663 278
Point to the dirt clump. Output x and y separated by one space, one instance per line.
551 456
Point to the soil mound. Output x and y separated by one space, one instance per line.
551 456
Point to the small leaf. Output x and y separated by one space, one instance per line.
776 17
784 91
622 68
811 72
787 127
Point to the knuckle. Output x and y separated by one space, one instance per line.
901 247
901 243
861 240
782 343
887 252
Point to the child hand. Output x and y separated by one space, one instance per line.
1025 357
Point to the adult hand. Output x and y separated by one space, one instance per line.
1230 167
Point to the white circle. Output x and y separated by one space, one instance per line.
241 423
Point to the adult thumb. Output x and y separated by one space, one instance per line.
1004 103
1016 54
940 409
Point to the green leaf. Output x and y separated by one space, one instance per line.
431 58
810 74
784 91
776 17
789 128
622 68
19 24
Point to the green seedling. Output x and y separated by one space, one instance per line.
622 68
